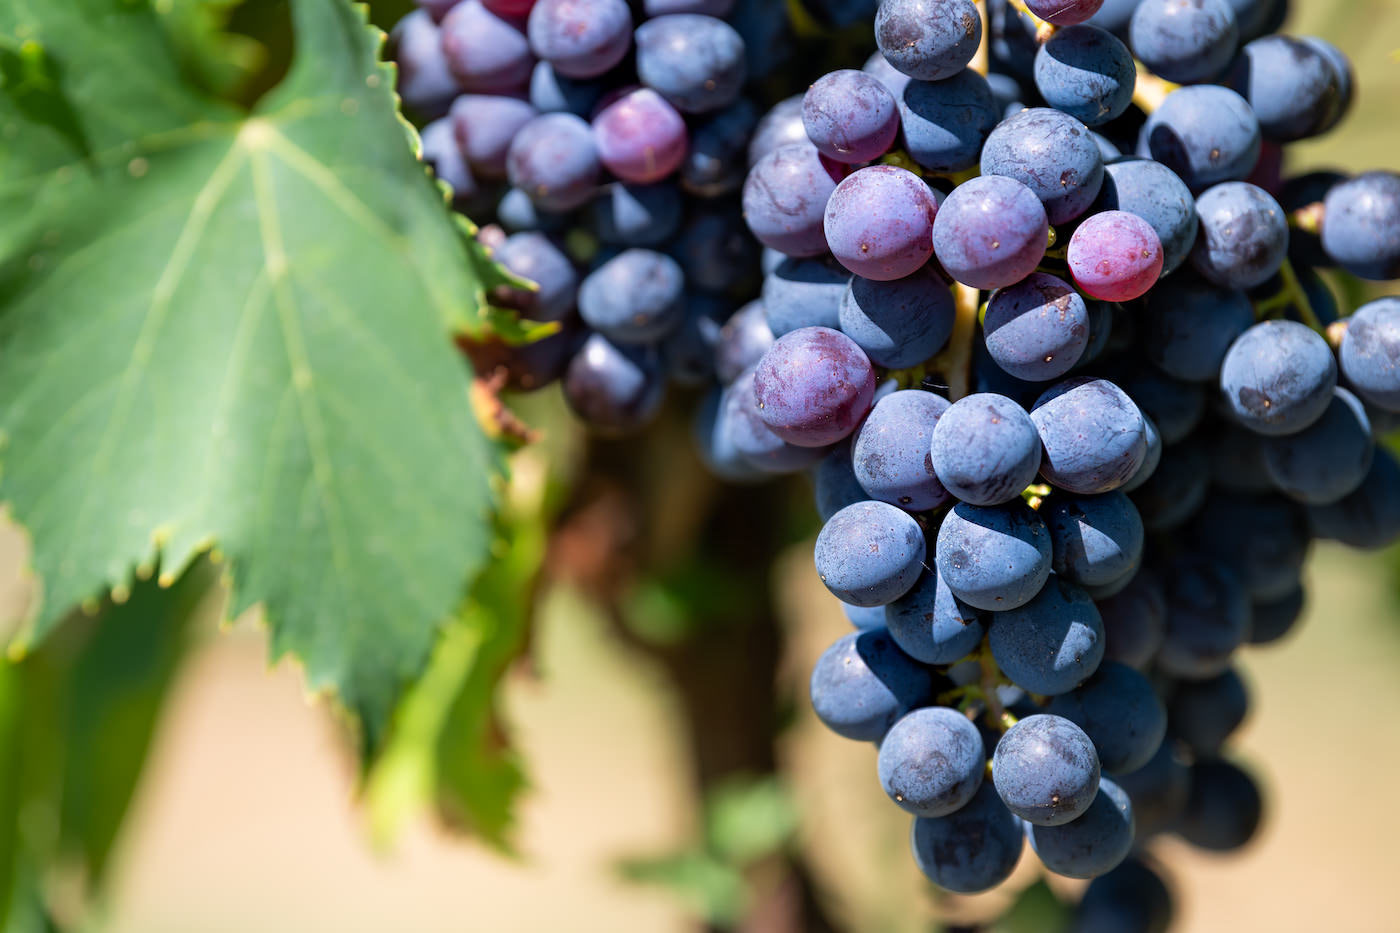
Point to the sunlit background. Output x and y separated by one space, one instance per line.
246 819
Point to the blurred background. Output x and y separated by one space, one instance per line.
246 818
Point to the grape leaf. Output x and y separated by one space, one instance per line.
76 722
230 330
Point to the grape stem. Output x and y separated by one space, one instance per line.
1043 30
991 679
955 360
1308 218
1149 91
1294 289
981 59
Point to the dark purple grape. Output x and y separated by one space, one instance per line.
814 386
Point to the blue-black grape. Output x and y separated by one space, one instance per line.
1158 790
1278 377
945 123
554 160
1369 518
804 293
1275 618
994 558
1243 238
696 62
1207 619
931 624
971 850
850 116
931 762
1092 845
1361 225
899 323
1186 41
486 53
985 449
743 340
635 297
1086 72
1051 153
1046 770
580 38
991 232
551 92
1263 539
1151 459
1119 711
636 215
785 198
1175 407
1093 435
890 453
863 684
1292 86
1037 329
870 553
714 161
1131 898
614 389
715 250
534 256
1370 348
864 618
1188 325
1095 539
1052 643
1204 713
1134 621
1205 134
928 39
1224 809
1328 459
1176 490
425 83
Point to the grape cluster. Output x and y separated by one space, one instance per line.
602 146
1073 416
1031 297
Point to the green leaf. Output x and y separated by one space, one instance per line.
714 889
231 330
1036 910
76 722
747 820
447 751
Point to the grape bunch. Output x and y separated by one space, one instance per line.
1030 295
601 145
1053 334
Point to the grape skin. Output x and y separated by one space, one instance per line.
863 684
994 558
1086 72
971 850
1153 192
640 137
580 38
1092 845
870 553
932 625
985 450
1051 153
785 198
945 123
804 293
485 53
1119 711
554 160
1278 377
1046 770
1243 238
634 297
814 385
1093 435
1115 256
1050 644
879 222
928 39
696 62
1224 809
1037 329
1361 225
1095 539
1205 134
1134 621
931 762
616 390
1328 459
1369 352
890 453
1185 41
898 323
990 232
850 116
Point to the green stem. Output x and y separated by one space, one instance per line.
1150 90
1294 289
